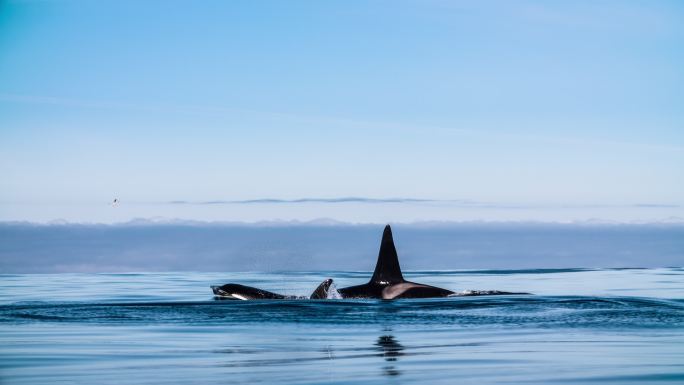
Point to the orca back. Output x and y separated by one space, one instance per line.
387 270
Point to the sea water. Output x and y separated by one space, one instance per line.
577 326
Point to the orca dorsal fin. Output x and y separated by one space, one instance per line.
387 268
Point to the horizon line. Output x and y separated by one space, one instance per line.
329 222
463 202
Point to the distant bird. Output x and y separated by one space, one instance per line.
115 202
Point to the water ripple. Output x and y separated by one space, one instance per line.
533 311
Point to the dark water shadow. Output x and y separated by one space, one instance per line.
390 349
386 346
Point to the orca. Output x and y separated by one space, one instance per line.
237 291
323 290
386 283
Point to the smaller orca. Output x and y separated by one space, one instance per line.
236 291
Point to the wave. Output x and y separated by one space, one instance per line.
523 311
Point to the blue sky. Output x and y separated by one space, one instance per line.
568 105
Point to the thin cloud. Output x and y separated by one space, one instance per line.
453 202
385 126
325 200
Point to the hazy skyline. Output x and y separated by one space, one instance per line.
543 111
30 248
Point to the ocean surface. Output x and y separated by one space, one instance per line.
578 326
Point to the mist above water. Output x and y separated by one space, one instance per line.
146 246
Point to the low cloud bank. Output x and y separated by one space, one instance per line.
149 246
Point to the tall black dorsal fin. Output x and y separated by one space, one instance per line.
387 269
